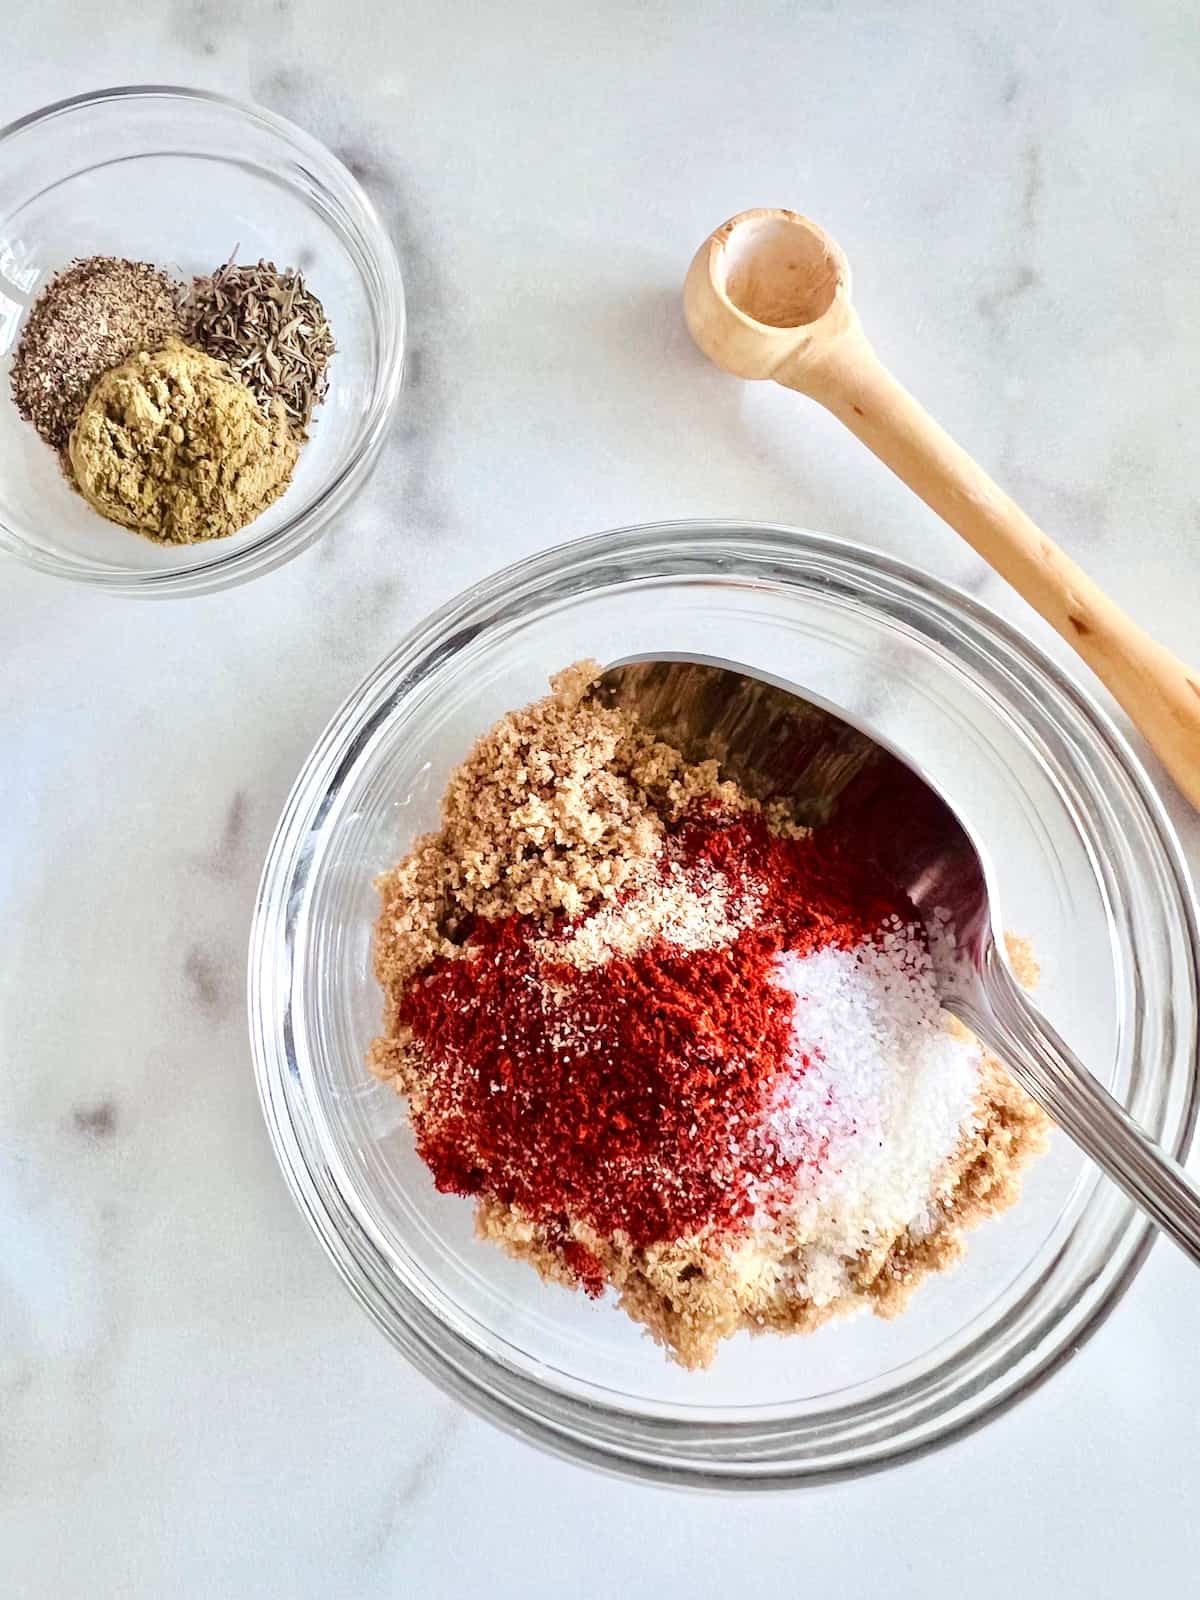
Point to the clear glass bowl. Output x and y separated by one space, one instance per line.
181 178
1089 870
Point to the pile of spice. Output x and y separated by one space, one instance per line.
173 446
677 1047
270 330
86 321
178 414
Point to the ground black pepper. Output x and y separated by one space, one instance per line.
87 320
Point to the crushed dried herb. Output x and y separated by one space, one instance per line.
270 330
88 319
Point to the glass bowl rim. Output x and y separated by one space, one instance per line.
520 1403
300 529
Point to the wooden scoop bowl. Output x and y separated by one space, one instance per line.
768 296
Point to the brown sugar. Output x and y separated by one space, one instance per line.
553 810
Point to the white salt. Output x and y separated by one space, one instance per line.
888 1089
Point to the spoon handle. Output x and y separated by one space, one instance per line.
1047 1070
1160 693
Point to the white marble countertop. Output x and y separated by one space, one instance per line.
190 1404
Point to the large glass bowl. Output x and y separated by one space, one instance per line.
1088 869
183 178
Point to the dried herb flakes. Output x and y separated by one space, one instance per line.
271 331
89 318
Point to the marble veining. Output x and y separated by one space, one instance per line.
97 1120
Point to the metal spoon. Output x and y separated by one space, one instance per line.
779 745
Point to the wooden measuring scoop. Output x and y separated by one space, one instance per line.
768 296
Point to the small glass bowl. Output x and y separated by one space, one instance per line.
1089 870
181 178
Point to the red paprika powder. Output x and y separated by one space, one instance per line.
635 1095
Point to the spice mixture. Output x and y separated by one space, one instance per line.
676 1046
179 441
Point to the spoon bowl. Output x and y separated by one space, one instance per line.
780 745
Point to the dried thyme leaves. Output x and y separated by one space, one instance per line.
270 330
87 320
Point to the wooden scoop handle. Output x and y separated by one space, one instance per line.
1160 693
768 296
